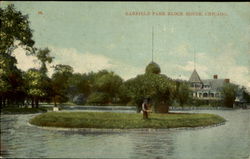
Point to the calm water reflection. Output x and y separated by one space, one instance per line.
228 141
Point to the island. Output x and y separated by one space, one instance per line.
110 120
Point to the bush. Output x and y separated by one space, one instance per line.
98 98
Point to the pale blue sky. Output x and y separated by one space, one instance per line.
81 33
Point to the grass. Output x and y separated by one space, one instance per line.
22 110
110 120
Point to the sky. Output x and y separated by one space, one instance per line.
92 36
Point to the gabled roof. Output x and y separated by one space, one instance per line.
214 83
195 78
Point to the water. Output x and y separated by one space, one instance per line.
116 109
229 141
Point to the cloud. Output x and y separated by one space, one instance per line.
25 62
80 61
182 50
84 62
111 46
224 64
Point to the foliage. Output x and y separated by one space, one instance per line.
59 83
44 56
158 87
108 84
110 120
182 93
14 26
14 31
246 95
34 80
98 98
229 92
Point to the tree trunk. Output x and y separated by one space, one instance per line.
37 102
32 102
4 102
1 100
54 101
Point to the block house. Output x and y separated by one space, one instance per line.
207 89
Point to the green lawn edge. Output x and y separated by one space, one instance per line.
108 120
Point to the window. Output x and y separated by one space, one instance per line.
204 94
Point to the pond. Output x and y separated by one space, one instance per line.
229 141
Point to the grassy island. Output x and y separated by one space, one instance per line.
110 120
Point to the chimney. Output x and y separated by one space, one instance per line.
226 80
215 76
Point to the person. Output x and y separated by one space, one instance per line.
145 108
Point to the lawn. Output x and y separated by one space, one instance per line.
110 120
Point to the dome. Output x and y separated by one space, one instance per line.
153 68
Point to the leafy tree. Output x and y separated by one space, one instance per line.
79 87
109 84
35 90
60 83
98 98
14 31
229 92
103 85
44 56
246 95
14 26
11 82
159 88
182 92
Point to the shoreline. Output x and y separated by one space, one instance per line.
123 130
122 121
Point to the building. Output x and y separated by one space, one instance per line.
207 89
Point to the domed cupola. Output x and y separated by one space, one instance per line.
153 67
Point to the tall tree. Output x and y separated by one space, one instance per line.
159 88
44 56
35 89
14 31
60 82
182 92
229 92
14 26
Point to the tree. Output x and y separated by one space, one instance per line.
98 98
44 56
229 92
159 88
14 31
182 92
60 83
14 26
246 95
109 84
35 90
104 85
11 89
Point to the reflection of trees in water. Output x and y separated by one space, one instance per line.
153 144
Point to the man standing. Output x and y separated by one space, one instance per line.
145 108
